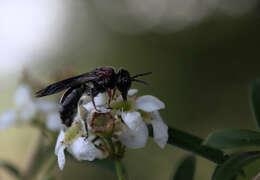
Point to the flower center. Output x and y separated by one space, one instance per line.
102 122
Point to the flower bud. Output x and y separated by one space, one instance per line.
73 133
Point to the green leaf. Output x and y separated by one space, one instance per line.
255 100
233 138
192 144
186 169
233 166
11 168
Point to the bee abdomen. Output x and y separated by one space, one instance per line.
69 105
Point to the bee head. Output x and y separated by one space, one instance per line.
124 82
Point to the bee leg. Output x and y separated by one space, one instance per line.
113 93
94 104
95 139
109 92
86 128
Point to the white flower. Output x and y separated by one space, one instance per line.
122 125
28 112
137 132
132 92
23 100
81 148
160 129
100 100
84 149
27 108
53 121
151 105
7 119
22 96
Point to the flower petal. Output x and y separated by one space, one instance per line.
149 103
7 119
61 157
22 96
53 122
59 141
160 129
137 133
99 100
132 92
59 150
84 149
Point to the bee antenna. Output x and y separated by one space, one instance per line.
142 74
140 81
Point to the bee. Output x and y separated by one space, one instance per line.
99 80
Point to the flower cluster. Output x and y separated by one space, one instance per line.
27 109
109 129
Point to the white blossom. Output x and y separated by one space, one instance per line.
84 149
127 121
26 108
149 103
8 119
81 148
137 133
53 121
28 112
100 100
160 129
22 96
132 92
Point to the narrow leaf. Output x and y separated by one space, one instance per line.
186 169
255 100
192 144
233 138
10 168
234 165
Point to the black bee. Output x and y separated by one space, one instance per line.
99 80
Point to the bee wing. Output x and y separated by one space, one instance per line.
65 84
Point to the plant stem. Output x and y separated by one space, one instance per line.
117 162
193 144
119 170
46 168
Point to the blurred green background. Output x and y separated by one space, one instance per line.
203 58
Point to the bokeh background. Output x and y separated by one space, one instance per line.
203 55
